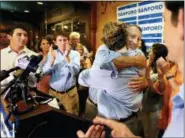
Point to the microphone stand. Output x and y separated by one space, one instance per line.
17 90
18 87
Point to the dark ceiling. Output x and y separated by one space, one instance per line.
14 10
20 6
32 6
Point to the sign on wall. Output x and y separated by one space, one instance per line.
148 15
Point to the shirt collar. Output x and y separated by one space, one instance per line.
178 100
60 52
22 51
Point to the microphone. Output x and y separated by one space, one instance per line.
17 73
22 74
32 66
5 73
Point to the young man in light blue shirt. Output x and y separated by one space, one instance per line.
63 64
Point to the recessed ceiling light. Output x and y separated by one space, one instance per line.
40 3
27 11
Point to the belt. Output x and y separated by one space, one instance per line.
134 114
92 102
63 92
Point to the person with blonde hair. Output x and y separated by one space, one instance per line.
43 47
85 61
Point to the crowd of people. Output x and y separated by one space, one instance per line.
133 92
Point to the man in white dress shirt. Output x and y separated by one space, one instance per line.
17 49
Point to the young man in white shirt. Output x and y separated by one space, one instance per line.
17 49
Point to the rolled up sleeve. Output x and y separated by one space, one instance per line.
104 55
74 64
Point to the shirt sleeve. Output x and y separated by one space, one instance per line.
95 77
47 67
74 64
104 55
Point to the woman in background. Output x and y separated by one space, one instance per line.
43 47
152 101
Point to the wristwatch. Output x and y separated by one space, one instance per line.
170 77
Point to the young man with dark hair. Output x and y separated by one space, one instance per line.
174 22
63 65
17 49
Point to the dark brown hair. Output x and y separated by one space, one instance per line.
174 7
39 44
159 50
64 34
11 30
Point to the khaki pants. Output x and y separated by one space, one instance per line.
150 123
135 125
68 101
91 110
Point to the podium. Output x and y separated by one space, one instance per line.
45 121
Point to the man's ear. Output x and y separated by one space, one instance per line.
180 24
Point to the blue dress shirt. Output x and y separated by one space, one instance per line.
115 100
103 57
176 127
63 74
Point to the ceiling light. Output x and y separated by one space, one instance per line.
40 3
27 11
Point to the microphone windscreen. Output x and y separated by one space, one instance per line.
18 73
39 58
